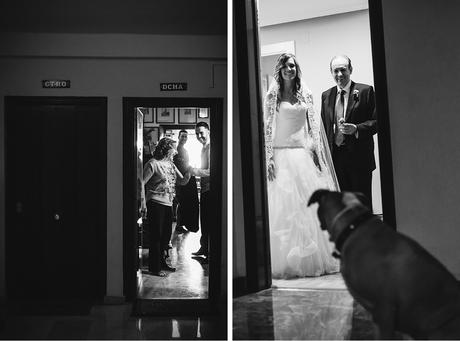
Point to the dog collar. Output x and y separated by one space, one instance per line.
347 221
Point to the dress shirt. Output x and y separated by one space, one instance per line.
204 171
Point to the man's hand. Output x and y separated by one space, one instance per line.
348 128
271 170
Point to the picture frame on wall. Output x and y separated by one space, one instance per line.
151 134
203 113
151 138
148 114
165 115
187 115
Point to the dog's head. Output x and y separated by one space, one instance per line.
332 204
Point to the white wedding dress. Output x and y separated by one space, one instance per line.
299 247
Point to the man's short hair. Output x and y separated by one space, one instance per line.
183 131
202 124
341 55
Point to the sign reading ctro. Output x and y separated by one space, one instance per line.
173 86
55 83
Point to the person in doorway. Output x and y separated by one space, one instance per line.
159 182
298 163
186 196
206 212
350 120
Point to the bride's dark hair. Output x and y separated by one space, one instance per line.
280 63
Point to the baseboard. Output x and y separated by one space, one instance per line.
114 300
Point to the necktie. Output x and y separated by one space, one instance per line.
339 112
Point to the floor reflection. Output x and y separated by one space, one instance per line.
309 308
115 323
287 314
189 281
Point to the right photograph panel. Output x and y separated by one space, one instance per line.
305 121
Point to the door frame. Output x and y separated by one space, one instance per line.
130 251
256 228
10 102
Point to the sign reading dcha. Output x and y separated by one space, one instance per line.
173 86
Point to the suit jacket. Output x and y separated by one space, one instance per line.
361 112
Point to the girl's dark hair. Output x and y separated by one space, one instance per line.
162 148
280 63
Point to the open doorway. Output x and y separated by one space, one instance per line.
303 38
313 41
186 274
192 281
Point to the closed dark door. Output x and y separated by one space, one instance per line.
56 198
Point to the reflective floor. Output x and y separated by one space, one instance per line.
317 308
189 281
114 322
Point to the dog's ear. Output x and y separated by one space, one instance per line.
317 195
364 200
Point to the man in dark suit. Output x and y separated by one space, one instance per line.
350 120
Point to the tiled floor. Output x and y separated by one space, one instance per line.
115 323
189 281
318 308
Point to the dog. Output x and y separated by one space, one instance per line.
404 287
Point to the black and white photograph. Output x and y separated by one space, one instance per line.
187 115
229 170
165 115
345 186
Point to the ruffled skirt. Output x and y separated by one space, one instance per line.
299 247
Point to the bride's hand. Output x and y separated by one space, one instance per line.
271 170
315 156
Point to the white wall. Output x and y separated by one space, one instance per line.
315 42
113 66
422 48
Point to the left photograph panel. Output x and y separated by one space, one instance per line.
113 170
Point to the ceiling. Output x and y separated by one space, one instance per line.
273 12
178 17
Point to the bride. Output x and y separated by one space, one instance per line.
298 163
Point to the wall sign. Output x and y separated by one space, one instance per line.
55 83
173 86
